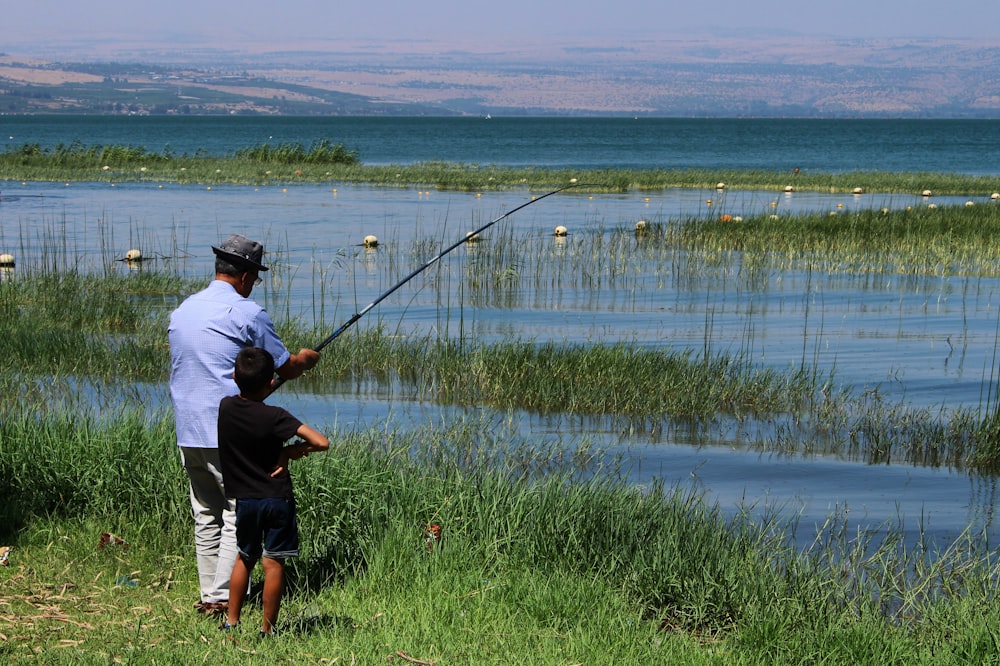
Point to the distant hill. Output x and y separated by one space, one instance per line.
676 77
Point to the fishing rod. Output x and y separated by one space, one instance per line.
278 381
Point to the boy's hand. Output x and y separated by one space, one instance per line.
297 450
282 466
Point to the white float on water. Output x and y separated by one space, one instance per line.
560 231
6 260
133 255
371 241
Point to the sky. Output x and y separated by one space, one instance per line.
227 24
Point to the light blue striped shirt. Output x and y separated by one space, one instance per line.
206 333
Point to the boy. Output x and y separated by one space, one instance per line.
254 464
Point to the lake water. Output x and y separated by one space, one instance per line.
929 342
949 146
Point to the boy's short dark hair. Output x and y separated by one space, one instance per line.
254 369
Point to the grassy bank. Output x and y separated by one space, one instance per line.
542 559
327 162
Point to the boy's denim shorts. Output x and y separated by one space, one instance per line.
267 527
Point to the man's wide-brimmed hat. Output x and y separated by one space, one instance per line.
241 251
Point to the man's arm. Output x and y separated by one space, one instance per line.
296 364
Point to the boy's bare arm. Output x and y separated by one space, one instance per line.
313 441
310 441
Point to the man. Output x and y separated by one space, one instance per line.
206 333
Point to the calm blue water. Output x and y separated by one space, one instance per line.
930 341
953 146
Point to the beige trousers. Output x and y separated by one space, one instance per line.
214 522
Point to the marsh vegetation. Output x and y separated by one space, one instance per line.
547 554
325 161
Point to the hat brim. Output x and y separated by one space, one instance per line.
237 259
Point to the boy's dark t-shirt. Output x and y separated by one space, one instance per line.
251 436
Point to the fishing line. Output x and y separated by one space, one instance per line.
278 381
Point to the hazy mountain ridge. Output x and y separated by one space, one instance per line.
668 77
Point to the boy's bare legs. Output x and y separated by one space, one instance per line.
239 582
274 582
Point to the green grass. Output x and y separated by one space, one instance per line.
327 162
539 562
952 240
82 325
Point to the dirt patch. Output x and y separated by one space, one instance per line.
46 77
264 93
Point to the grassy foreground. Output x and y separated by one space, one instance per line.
543 559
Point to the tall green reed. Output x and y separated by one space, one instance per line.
504 506
70 463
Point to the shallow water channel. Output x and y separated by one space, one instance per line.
924 341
